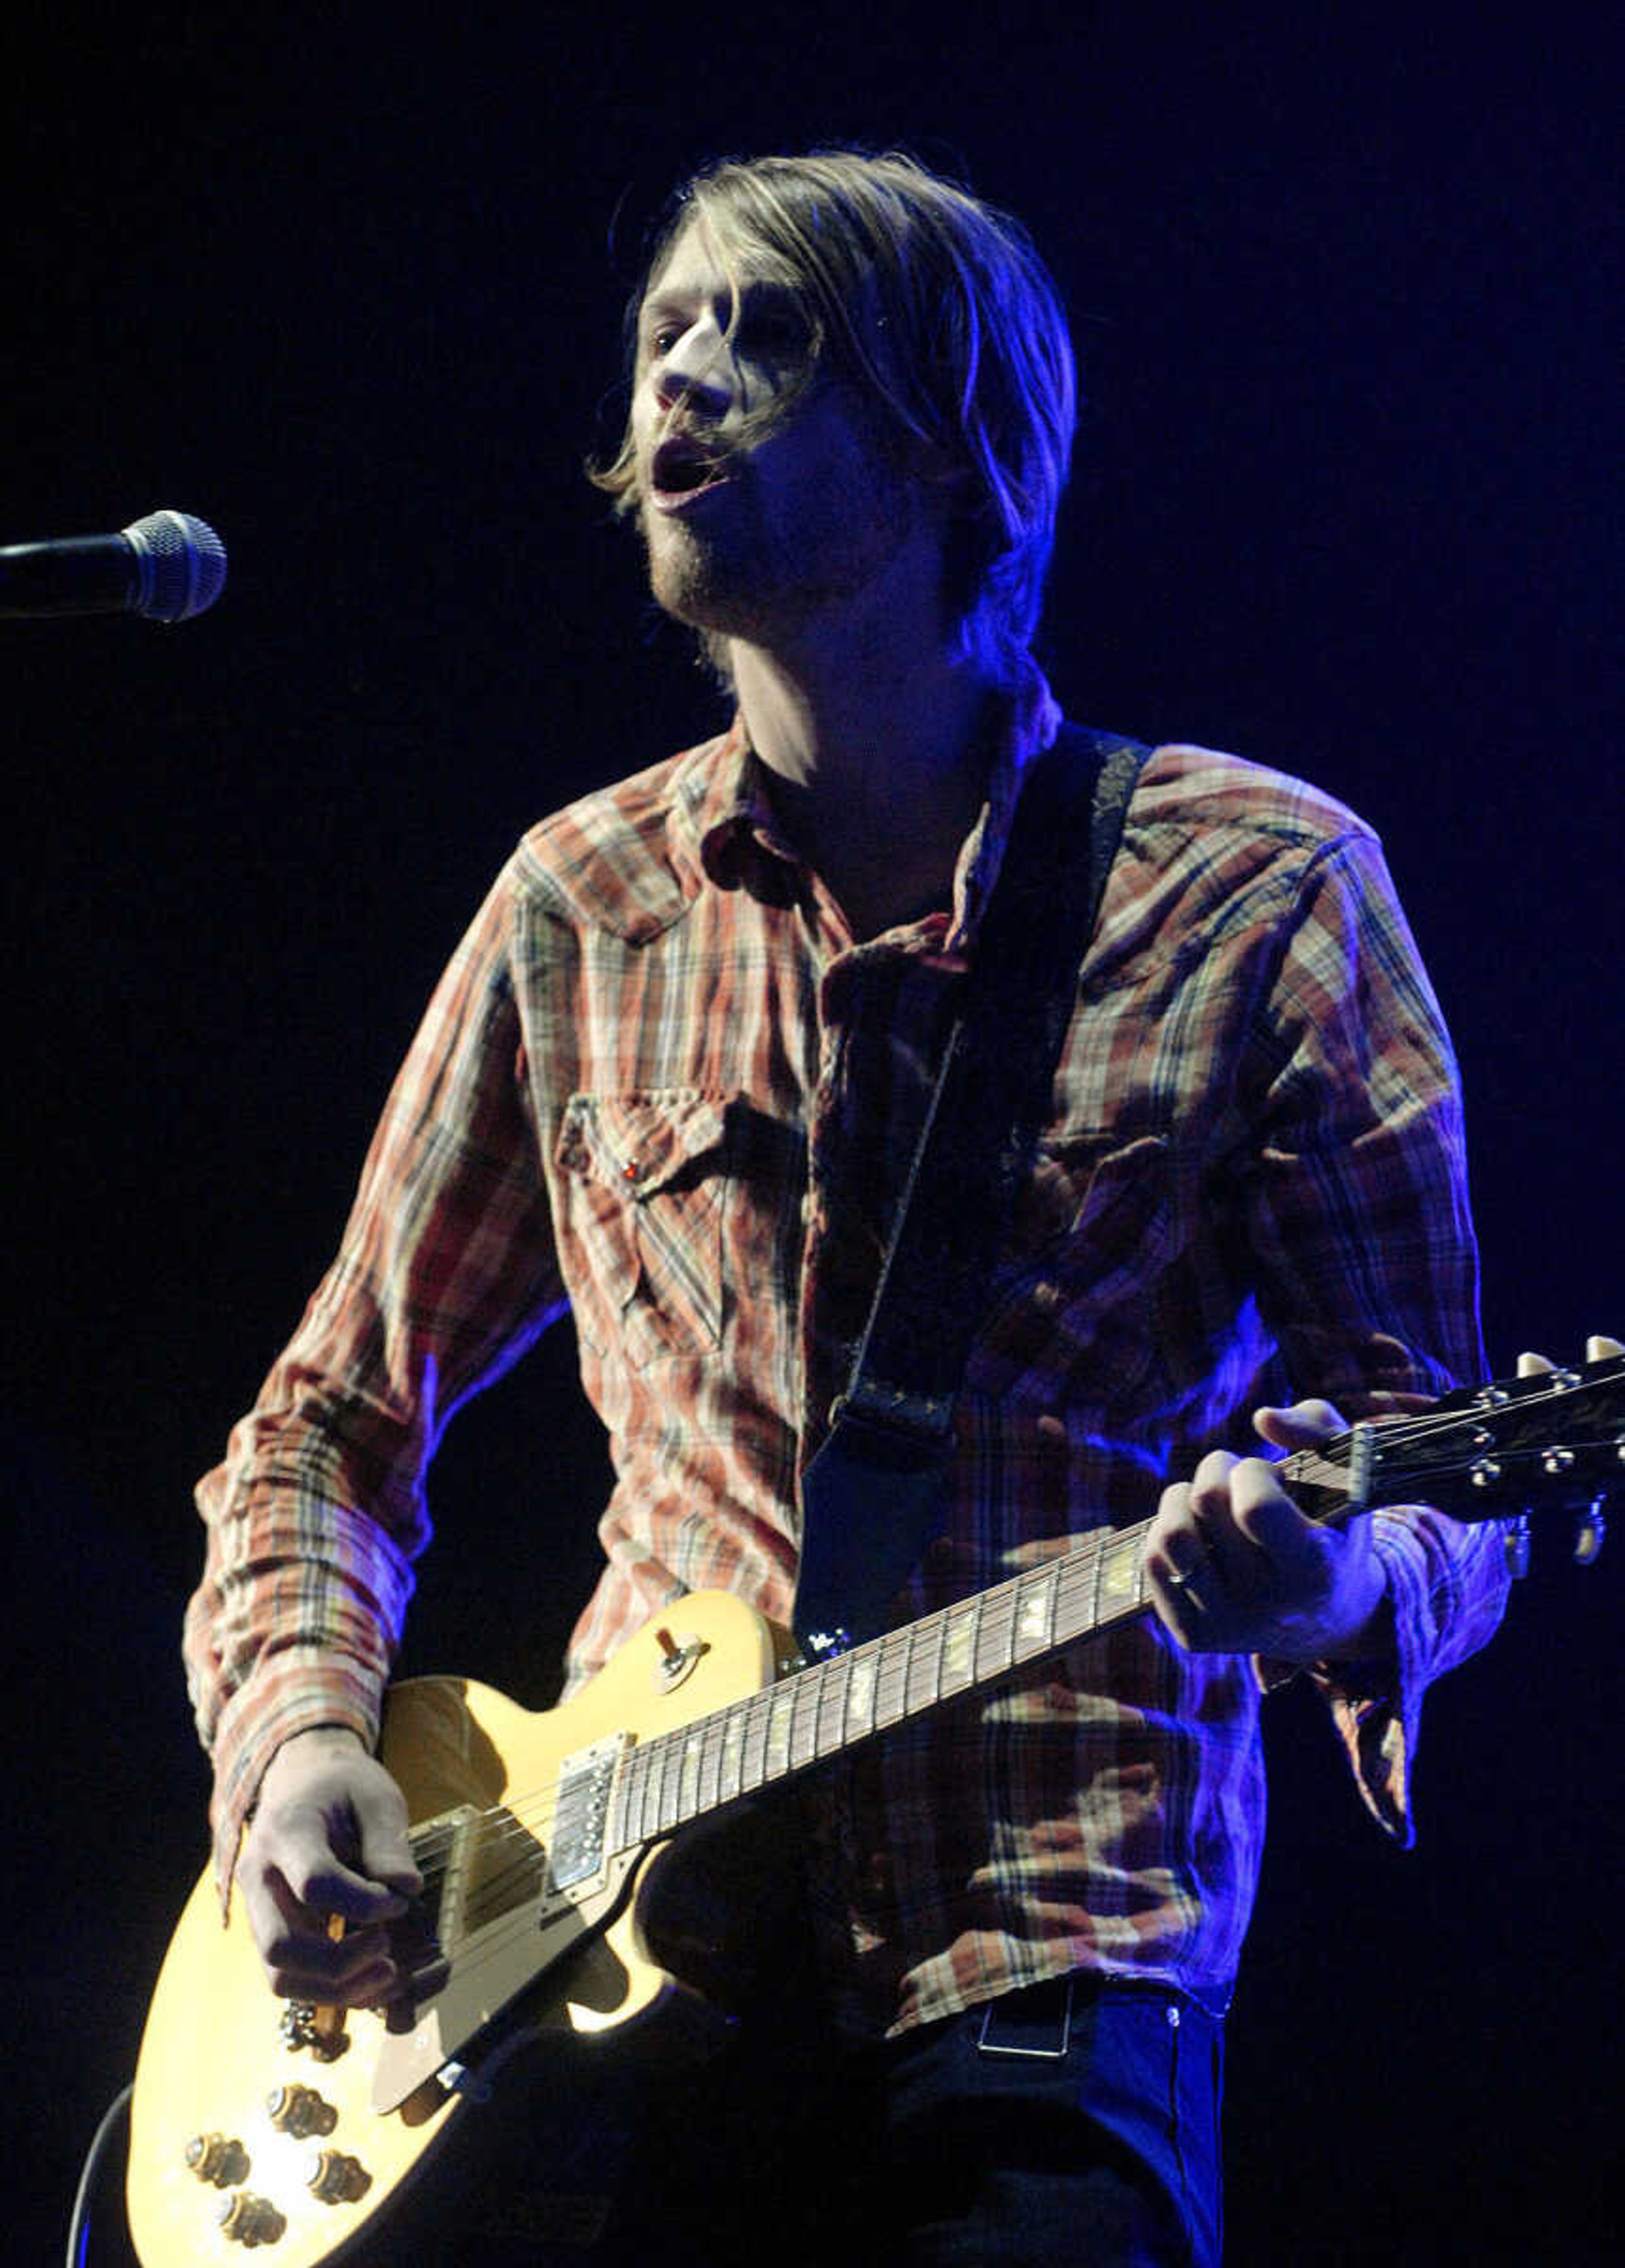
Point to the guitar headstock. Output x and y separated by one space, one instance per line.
1518 1449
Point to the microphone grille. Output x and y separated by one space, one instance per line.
180 565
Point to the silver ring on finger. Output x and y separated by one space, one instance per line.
1184 1582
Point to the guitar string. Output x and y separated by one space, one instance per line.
521 1820
893 1668
510 1924
888 1671
524 1820
533 1814
521 1825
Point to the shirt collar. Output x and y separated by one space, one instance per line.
1029 719
734 814
728 807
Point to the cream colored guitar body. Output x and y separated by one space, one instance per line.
544 1835
256 2127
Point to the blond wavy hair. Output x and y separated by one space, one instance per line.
939 309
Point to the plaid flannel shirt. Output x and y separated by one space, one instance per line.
661 1081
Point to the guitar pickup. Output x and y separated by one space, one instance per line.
1363 1457
441 1847
581 1811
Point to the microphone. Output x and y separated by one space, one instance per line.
167 567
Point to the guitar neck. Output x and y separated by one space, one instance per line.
821 1711
1556 1439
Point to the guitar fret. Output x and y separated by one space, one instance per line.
649 1791
650 1823
615 1834
893 1695
710 1761
1031 1623
752 1770
806 1692
924 1681
1098 1575
993 1639
961 1627
634 1773
831 1718
732 1754
1078 1579
781 1710
670 1783
689 1773
1121 1590
861 1685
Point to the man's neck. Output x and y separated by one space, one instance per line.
879 760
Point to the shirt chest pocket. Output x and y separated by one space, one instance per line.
1073 1306
643 1181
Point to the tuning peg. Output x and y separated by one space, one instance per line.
1590 1535
1597 1349
1515 1544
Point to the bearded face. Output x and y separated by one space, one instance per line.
754 524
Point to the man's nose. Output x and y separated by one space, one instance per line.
699 368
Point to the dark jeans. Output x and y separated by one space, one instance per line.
1076 2126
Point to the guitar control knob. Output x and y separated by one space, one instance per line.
245 2219
302 2025
299 2111
213 2158
335 2179
1483 1472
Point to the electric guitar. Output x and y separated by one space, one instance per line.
542 1837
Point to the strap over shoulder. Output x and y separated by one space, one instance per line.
864 1524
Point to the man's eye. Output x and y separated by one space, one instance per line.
774 338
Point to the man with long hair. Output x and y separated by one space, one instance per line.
674 1075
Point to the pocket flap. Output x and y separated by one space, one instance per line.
640 1144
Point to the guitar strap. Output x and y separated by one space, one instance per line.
871 1497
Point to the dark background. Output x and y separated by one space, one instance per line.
1347 501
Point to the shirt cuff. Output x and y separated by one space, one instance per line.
299 1696
1376 1705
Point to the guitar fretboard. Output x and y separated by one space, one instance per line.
753 1744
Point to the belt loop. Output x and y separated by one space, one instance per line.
1030 2023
